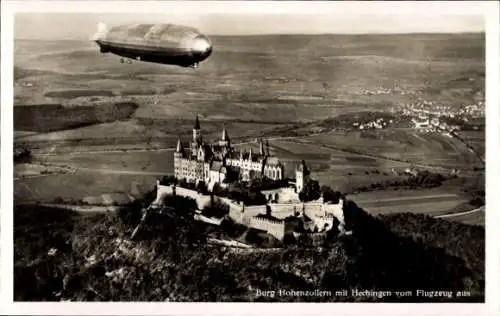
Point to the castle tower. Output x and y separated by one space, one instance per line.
196 129
262 153
178 155
179 148
224 140
196 137
302 174
268 153
250 155
241 154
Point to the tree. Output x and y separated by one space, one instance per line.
268 210
231 176
217 189
256 184
330 195
22 155
182 183
201 187
168 180
305 240
217 209
310 192
289 240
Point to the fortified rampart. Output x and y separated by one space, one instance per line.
272 227
209 220
235 209
320 214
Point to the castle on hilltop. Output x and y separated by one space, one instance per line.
219 162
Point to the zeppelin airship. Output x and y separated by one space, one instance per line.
167 44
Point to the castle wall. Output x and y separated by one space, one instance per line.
313 209
319 213
275 228
336 210
285 195
235 209
213 221
254 210
201 200
284 210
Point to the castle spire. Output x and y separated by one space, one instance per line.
224 134
196 132
197 123
261 147
250 154
179 145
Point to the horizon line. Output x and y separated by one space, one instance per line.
292 34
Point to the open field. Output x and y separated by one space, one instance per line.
162 161
339 180
255 78
431 149
45 118
82 185
427 202
432 207
476 218
342 171
433 202
247 79
476 139
252 86
137 133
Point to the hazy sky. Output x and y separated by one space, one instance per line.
83 25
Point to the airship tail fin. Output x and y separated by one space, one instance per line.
102 29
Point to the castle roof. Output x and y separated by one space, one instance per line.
216 165
306 218
252 156
273 161
233 155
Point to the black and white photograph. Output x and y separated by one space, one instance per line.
252 155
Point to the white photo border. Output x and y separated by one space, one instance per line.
489 9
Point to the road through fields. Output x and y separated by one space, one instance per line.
136 150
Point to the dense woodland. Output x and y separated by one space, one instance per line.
44 118
63 255
423 180
22 155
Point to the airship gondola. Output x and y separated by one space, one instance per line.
167 44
